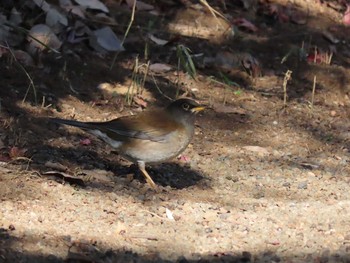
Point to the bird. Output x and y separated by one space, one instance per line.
152 136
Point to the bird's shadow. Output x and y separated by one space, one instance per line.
175 175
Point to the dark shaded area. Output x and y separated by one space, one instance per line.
71 71
75 70
166 174
81 251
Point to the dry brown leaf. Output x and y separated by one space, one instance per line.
16 152
65 177
140 101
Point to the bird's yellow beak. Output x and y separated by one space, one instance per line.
197 109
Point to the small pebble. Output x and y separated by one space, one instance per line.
208 230
302 185
287 184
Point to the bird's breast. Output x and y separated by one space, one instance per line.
152 151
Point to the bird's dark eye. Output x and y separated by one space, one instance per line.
185 106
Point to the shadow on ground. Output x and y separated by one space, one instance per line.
79 251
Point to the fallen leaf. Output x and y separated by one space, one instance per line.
76 10
105 39
93 4
245 24
45 35
159 67
104 18
42 4
54 17
139 101
16 152
86 141
65 177
227 61
78 33
56 166
99 175
330 37
252 65
15 17
23 57
158 41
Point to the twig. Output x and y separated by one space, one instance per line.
178 78
25 31
28 160
65 77
161 93
315 55
313 92
287 77
31 82
43 104
145 76
330 58
154 214
126 33
130 92
212 10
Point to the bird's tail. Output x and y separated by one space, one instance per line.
82 125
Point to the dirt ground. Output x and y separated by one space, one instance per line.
260 182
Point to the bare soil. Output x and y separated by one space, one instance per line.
261 181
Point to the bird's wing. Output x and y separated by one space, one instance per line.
153 126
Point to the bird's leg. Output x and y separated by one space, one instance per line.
148 178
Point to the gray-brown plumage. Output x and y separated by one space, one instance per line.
149 137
